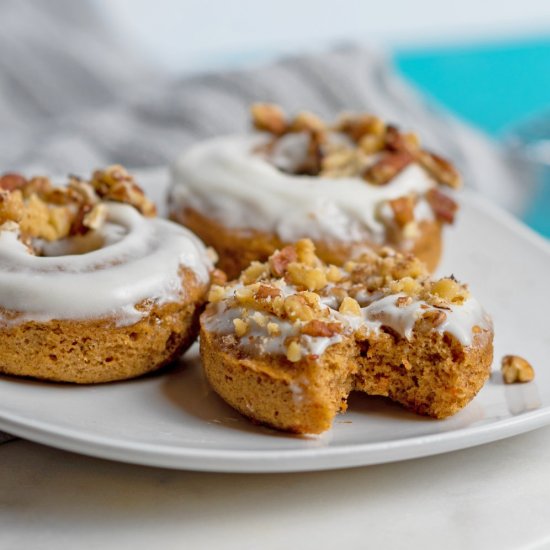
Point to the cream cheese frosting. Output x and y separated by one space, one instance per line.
381 311
103 274
226 179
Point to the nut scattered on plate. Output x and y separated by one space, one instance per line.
516 369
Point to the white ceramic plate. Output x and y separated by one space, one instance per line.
173 419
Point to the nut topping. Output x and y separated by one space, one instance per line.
387 167
269 118
403 210
443 206
516 369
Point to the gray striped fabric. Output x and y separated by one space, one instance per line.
72 98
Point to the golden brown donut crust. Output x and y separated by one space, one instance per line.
94 351
441 377
238 247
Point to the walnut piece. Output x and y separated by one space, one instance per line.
294 352
516 369
116 184
450 290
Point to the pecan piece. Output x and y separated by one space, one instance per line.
442 170
307 122
360 125
269 118
398 141
265 292
403 210
443 206
431 319
12 181
280 260
320 328
387 167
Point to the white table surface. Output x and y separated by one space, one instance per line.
493 496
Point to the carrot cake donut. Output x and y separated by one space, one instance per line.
357 184
94 287
286 342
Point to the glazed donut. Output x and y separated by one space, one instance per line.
94 290
358 185
288 341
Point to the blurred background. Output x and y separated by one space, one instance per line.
475 76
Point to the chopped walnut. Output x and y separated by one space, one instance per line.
398 141
431 319
52 213
96 217
350 306
294 352
269 118
218 277
267 292
273 329
406 285
259 318
516 369
344 149
450 290
341 163
311 278
305 250
307 122
254 272
296 307
403 301
216 294
116 184
356 127
371 143
11 206
333 274
241 327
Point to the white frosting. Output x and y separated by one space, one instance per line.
224 179
257 339
103 274
460 321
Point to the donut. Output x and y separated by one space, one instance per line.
358 184
287 341
94 287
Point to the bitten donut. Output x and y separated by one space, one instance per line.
94 288
288 341
352 186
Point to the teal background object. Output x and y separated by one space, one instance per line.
495 87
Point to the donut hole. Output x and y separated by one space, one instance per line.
81 244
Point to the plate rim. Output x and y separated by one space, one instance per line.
273 461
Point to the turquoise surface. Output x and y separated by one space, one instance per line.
493 86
